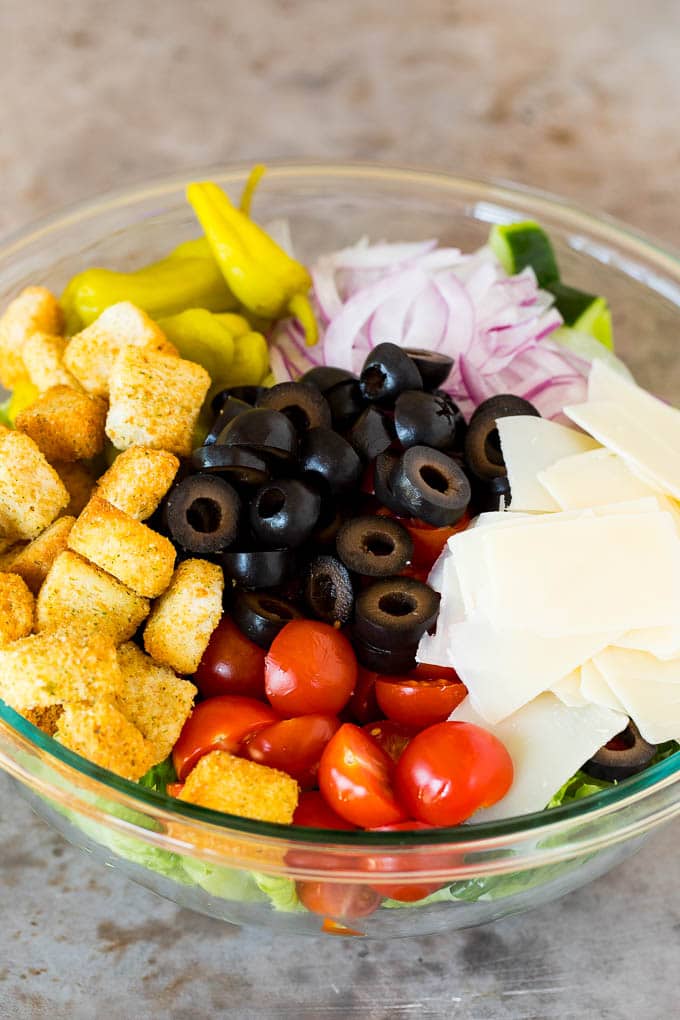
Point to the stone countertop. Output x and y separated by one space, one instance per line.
572 97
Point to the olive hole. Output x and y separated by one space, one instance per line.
397 603
378 544
324 593
204 515
297 416
275 609
433 478
622 741
271 503
373 379
492 448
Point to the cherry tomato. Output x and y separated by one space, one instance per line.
330 927
418 703
231 664
174 789
293 746
355 777
314 813
424 671
337 899
310 669
363 704
429 541
218 724
450 770
391 736
383 864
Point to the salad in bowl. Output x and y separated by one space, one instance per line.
342 582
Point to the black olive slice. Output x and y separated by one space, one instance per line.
284 513
385 466
328 590
492 495
371 434
236 463
202 514
424 419
623 756
395 611
259 568
383 660
460 427
302 403
327 455
260 615
248 394
346 402
431 486
374 546
325 377
231 408
261 428
483 453
387 372
434 368
331 519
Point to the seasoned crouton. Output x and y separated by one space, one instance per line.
46 719
79 482
17 609
43 355
225 783
101 733
124 547
65 424
154 699
184 617
90 355
78 592
34 560
31 492
35 310
155 401
58 667
137 480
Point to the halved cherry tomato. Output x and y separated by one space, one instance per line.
330 927
450 770
314 813
363 704
338 899
355 777
219 724
231 664
429 541
391 736
293 746
418 703
383 864
424 671
310 668
174 789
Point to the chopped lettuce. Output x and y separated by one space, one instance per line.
225 883
281 892
158 777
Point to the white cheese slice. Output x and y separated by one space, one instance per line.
592 479
548 742
647 687
604 384
434 648
662 642
568 690
595 688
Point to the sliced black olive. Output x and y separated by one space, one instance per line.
231 408
431 486
372 433
236 463
384 660
374 546
327 455
346 403
248 394
284 513
483 453
328 590
385 466
260 615
259 568
325 377
434 368
387 372
395 611
424 419
460 427
623 756
331 519
302 404
202 514
261 429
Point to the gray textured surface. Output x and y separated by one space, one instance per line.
576 97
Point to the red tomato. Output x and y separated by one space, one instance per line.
231 664
310 669
424 671
383 864
450 770
391 736
355 777
418 703
218 724
429 541
174 789
330 927
363 704
337 899
314 813
293 746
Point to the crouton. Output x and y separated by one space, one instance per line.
79 482
154 699
124 547
90 355
31 492
155 401
239 787
33 560
46 719
137 480
65 424
43 355
101 733
17 609
35 310
58 667
78 593
186 614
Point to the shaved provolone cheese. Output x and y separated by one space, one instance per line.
662 642
595 688
592 479
647 687
568 690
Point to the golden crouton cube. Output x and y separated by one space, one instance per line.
65 424
101 733
154 699
78 593
31 492
17 608
79 482
35 310
186 614
33 560
155 401
58 667
240 787
124 547
137 480
90 355
43 355
46 719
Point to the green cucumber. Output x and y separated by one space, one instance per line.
518 245
584 312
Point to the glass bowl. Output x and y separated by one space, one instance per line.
245 871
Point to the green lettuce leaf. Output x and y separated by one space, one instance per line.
158 777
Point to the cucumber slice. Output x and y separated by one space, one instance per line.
588 348
583 312
518 245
